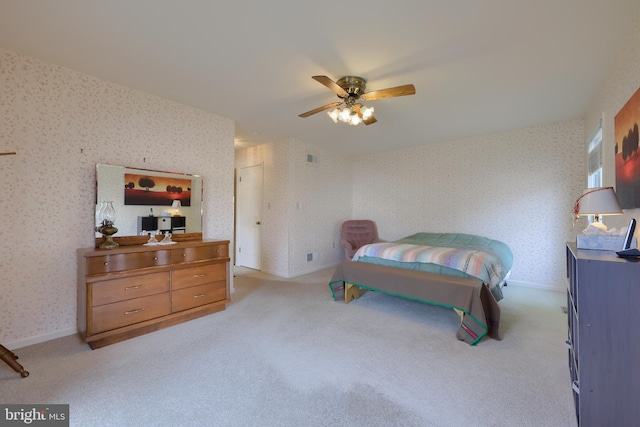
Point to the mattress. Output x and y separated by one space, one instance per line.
451 254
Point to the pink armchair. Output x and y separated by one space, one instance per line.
357 233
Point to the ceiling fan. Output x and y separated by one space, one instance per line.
351 90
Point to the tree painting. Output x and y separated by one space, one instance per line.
146 182
152 190
627 156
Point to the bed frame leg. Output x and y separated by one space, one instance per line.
351 291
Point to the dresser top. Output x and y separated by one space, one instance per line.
91 252
598 255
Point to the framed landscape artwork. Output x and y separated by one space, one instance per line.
156 190
627 157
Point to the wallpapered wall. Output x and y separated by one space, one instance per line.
275 219
304 205
621 82
517 187
61 123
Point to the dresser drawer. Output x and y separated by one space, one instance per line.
124 313
195 296
115 290
127 261
200 253
193 276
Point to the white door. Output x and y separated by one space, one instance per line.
249 188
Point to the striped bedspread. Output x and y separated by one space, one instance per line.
485 266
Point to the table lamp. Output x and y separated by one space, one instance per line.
597 201
176 205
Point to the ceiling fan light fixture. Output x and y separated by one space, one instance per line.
351 115
345 114
354 119
366 112
351 90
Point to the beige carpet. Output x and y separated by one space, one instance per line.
285 354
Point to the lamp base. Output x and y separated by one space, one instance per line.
597 224
107 232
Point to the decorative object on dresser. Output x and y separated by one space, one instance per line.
598 201
106 218
136 289
602 297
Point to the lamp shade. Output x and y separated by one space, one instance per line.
176 204
598 201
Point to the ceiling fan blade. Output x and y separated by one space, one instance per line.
331 85
389 93
370 120
317 110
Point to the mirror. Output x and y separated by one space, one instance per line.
146 200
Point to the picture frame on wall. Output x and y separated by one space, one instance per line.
627 155
156 190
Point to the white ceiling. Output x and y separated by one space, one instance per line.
479 66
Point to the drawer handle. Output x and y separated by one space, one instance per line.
218 250
134 311
106 263
184 255
129 288
199 295
155 258
199 275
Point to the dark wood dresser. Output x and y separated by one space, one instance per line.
604 336
134 290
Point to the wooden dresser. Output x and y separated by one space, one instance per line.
134 290
602 296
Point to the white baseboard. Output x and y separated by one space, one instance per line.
536 286
275 273
314 269
40 338
302 273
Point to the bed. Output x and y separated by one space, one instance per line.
460 271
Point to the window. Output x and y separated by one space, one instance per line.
595 160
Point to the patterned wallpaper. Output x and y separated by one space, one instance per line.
61 123
517 187
275 237
304 205
319 202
